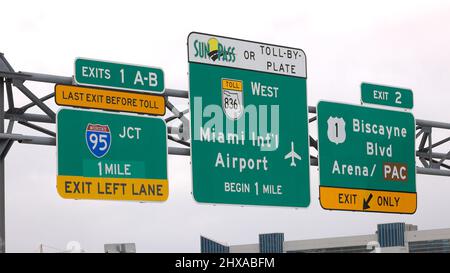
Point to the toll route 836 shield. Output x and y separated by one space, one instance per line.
232 98
98 139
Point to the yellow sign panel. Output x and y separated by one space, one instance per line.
129 189
368 200
232 85
86 97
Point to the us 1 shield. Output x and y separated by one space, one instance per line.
98 139
232 98
336 130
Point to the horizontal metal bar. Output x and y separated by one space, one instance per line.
13 75
433 155
30 139
176 93
37 140
29 117
38 77
435 124
437 172
179 151
16 137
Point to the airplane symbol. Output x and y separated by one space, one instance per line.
292 155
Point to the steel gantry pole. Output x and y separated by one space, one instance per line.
3 144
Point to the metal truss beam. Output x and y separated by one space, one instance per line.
433 162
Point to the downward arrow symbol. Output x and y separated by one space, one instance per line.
366 202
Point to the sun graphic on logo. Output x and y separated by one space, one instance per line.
213 48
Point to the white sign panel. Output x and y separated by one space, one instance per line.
235 53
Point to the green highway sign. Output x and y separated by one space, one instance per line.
111 156
119 76
366 159
387 96
249 122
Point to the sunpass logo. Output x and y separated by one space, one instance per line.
214 50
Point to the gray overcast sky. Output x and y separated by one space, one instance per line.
398 43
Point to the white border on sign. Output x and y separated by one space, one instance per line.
304 64
75 82
120 114
191 129
389 107
318 158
